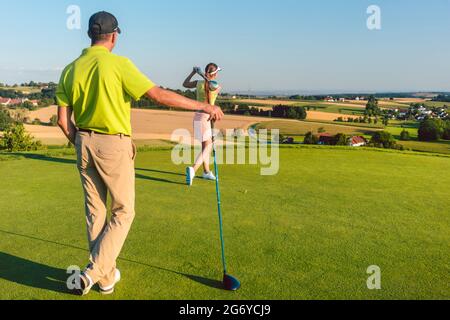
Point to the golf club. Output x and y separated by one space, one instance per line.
213 85
229 282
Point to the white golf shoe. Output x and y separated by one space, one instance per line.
110 289
209 176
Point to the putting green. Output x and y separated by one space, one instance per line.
310 232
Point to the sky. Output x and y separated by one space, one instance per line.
302 46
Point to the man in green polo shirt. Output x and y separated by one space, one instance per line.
97 90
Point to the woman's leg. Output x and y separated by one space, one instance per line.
204 157
207 149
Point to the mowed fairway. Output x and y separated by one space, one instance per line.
310 232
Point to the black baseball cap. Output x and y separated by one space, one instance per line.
103 23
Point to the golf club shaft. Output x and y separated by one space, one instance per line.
219 204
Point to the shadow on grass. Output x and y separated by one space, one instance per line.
163 172
32 274
142 177
40 157
36 275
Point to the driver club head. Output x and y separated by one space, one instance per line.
230 283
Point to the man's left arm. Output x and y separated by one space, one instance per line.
66 124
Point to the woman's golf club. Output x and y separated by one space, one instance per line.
229 282
213 85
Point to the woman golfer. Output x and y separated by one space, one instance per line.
202 123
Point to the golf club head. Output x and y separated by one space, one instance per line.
200 73
230 283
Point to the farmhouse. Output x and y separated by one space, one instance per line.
357 141
325 139
16 102
4 101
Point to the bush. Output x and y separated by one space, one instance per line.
15 138
310 138
28 105
54 121
446 134
432 130
5 119
404 136
340 140
36 122
383 139
289 112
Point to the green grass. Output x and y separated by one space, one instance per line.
433 147
308 233
436 104
396 128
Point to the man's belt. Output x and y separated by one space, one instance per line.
103 134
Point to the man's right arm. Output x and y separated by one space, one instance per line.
66 124
174 100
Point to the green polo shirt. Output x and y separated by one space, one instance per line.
99 87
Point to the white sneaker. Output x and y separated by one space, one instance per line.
190 175
110 289
209 176
86 285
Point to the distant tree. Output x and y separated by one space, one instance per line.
446 134
383 139
372 108
404 136
289 112
5 119
431 130
28 105
310 138
340 140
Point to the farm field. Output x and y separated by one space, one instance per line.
22 89
300 128
147 124
348 108
309 229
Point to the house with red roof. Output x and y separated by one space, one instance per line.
4 101
357 141
326 139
